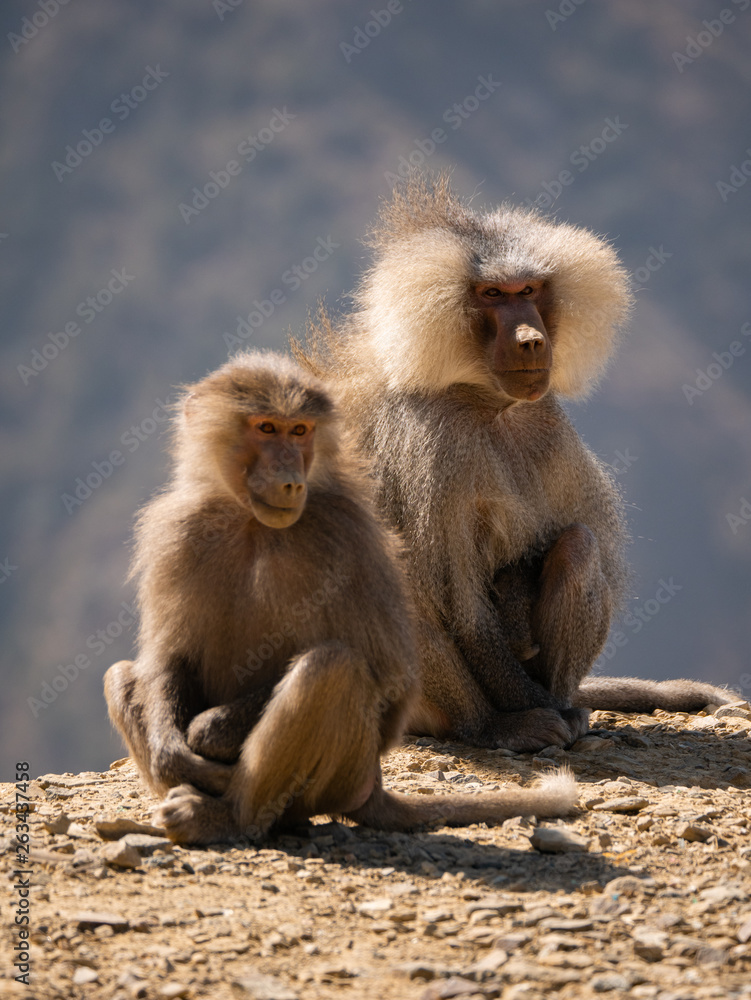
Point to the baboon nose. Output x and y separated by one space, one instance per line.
293 489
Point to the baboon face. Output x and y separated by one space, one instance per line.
275 457
514 335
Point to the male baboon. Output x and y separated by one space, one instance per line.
275 627
467 330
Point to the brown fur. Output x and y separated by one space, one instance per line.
275 665
515 531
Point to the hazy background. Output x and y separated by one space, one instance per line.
343 118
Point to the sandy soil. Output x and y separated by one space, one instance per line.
651 897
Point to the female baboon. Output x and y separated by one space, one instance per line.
467 331
276 656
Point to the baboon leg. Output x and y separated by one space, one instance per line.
452 703
148 720
219 733
314 750
571 617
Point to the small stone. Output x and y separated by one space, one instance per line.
650 945
419 970
558 924
644 822
375 907
609 981
172 990
628 804
693 833
258 986
114 827
744 931
84 975
739 776
436 916
490 963
269 886
59 824
90 919
119 855
738 709
557 840
629 885
590 744
453 987
441 764
146 844
500 905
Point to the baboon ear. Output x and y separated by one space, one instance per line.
189 404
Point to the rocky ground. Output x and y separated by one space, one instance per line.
644 893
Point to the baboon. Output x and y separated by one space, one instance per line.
276 655
467 331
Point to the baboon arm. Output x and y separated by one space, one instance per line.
486 650
167 699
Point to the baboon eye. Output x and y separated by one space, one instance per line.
266 427
492 292
299 430
529 290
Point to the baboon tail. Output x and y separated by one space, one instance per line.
632 694
555 795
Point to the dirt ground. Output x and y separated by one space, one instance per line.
647 896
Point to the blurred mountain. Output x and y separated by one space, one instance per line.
167 166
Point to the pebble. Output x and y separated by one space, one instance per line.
650 945
375 907
114 827
90 919
558 840
258 986
628 804
170 991
118 855
693 833
610 981
146 844
83 975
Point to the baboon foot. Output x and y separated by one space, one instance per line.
541 727
191 817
